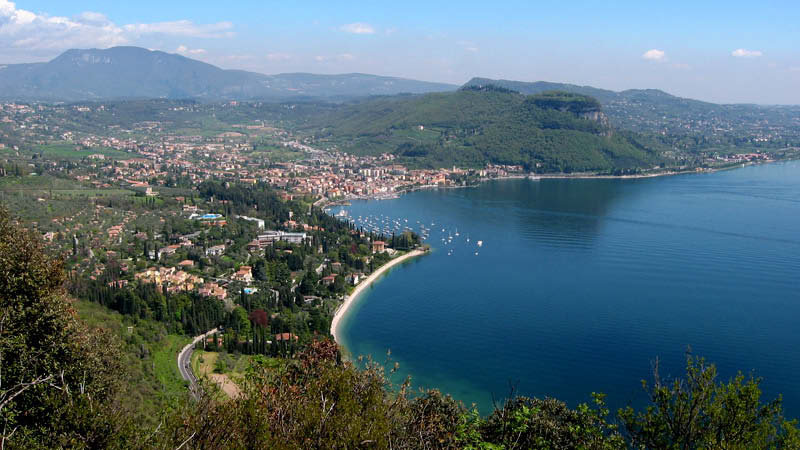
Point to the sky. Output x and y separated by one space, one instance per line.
725 52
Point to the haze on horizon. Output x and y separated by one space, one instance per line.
724 52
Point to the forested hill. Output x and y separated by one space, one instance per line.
680 122
548 132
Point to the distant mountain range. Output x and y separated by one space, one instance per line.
133 72
122 73
605 96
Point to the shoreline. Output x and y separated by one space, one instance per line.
350 300
325 203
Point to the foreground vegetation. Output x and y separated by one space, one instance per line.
64 380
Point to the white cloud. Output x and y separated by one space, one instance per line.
184 50
23 32
358 28
654 55
744 53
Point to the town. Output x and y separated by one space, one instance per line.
174 210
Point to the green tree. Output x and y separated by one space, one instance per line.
242 322
701 413
58 378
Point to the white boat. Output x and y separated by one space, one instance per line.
480 243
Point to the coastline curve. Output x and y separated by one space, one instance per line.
350 300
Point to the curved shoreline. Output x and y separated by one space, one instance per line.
348 302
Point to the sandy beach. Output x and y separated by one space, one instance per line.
363 285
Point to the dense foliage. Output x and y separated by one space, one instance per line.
58 378
680 123
550 132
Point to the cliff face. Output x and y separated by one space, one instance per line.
601 118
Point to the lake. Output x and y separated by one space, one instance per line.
581 284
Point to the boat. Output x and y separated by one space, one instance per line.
480 243
534 177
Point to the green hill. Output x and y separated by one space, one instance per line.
547 132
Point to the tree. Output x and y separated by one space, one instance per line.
701 413
57 377
259 318
241 321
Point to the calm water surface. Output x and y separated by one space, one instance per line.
581 284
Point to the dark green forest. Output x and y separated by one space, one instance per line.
548 132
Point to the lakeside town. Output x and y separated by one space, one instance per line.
337 226
230 210
159 165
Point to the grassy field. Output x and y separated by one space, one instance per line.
203 363
151 380
42 197
67 151
278 153
222 369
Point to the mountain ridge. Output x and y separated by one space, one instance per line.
134 72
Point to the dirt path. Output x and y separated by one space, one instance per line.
228 387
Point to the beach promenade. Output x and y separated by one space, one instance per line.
348 302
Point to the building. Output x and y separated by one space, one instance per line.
259 222
270 237
245 274
378 246
216 250
213 290
168 250
285 337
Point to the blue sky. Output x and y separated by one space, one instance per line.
729 51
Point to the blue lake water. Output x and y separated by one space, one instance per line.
580 284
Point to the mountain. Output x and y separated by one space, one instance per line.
654 111
132 72
537 87
635 109
548 132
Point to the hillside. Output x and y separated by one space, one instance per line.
549 132
690 124
132 72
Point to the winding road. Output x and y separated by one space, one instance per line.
185 364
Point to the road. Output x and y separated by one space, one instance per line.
185 364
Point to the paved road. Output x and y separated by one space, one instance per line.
185 364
